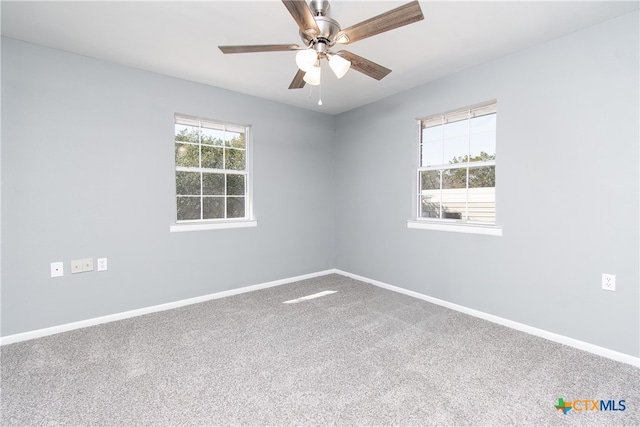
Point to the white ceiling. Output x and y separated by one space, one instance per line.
180 39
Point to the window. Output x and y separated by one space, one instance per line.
457 166
211 171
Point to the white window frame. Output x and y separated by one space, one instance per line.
218 223
446 224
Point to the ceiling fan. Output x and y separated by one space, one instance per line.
319 33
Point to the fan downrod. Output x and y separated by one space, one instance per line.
319 7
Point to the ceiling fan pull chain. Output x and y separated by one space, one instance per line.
320 94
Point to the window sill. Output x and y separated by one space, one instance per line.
199 226
489 230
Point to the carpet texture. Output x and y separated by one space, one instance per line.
360 356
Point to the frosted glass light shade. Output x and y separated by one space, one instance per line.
312 76
305 59
339 65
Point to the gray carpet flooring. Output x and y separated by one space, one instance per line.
360 356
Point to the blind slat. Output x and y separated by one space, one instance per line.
473 111
188 121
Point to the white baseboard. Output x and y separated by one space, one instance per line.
581 345
10 339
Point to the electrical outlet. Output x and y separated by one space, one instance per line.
76 266
609 282
87 264
57 269
102 264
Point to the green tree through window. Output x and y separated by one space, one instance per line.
210 170
457 172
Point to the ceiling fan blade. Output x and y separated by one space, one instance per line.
365 66
303 16
258 48
297 82
395 18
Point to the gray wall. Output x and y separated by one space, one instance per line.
567 189
87 171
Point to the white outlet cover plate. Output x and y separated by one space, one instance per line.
76 266
87 264
57 269
102 264
609 282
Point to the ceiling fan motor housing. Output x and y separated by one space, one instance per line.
328 30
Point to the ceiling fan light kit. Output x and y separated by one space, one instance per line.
338 65
306 59
312 76
319 33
